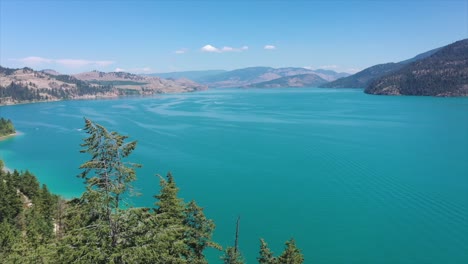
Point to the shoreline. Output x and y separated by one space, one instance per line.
2 138
8 136
93 98
6 169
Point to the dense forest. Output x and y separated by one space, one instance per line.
100 227
6 127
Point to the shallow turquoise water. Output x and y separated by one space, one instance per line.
354 178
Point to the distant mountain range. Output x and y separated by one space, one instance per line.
191 75
27 85
300 80
438 72
258 77
444 73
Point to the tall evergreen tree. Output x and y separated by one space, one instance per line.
170 208
291 254
10 202
232 256
8 236
107 175
198 234
265 254
169 215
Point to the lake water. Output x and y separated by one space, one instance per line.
354 178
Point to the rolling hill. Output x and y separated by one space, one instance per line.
27 85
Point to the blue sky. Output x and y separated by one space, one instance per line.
160 36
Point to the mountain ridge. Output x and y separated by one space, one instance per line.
247 77
443 73
363 78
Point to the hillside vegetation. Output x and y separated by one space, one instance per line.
445 73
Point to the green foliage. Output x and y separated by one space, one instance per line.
6 127
10 202
198 233
170 208
265 254
232 256
94 224
291 254
26 219
8 236
27 184
107 175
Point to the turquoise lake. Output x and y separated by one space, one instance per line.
354 178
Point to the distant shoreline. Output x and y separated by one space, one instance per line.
86 98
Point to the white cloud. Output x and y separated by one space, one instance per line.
269 47
227 49
353 70
146 69
328 67
181 51
71 63
135 70
81 63
33 60
209 48
333 67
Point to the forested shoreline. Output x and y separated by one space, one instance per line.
37 226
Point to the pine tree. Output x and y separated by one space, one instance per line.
198 234
291 254
170 208
265 254
92 226
10 202
169 215
232 256
28 184
8 236
107 175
